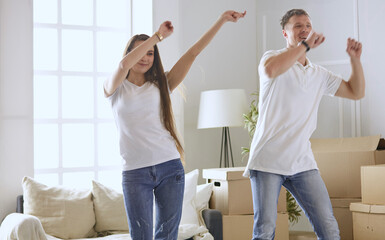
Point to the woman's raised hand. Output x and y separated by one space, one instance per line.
232 16
166 29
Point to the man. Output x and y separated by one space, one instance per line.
291 88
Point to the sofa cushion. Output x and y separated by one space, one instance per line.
195 199
189 212
63 212
203 196
109 209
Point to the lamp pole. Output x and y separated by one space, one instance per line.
226 148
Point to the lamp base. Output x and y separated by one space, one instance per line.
226 150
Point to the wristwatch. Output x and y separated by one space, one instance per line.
306 45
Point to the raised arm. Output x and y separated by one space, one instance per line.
278 64
355 87
181 68
131 58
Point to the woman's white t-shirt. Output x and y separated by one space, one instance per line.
143 139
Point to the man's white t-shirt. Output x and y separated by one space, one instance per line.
288 106
143 139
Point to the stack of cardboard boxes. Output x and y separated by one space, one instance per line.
339 161
369 215
232 196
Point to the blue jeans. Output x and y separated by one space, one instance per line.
306 187
165 181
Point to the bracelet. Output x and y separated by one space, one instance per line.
160 37
306 45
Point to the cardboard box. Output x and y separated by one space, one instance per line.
344 216
240 227
373 184
232 191
281 207
339 161
368 221
300 235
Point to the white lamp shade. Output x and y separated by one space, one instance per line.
222 108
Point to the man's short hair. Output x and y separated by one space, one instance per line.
297 12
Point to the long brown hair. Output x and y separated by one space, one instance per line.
156 75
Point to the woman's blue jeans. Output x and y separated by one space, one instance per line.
307 188
165 181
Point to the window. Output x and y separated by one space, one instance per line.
77 45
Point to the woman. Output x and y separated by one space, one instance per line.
139 92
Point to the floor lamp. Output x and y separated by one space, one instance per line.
223 109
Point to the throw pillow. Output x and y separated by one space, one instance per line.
63 212
195 199
203 196
21 226
109 209
189 213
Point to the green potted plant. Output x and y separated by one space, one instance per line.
251 118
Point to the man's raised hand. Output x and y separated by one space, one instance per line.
314 39
354 48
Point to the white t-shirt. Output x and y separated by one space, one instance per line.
143 139
288 106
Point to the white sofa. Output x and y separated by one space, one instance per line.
60 213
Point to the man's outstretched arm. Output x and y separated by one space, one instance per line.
355 87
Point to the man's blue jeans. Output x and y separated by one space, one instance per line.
165 181
307 188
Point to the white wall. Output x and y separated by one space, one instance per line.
16 100
371 25
228 62
170 51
